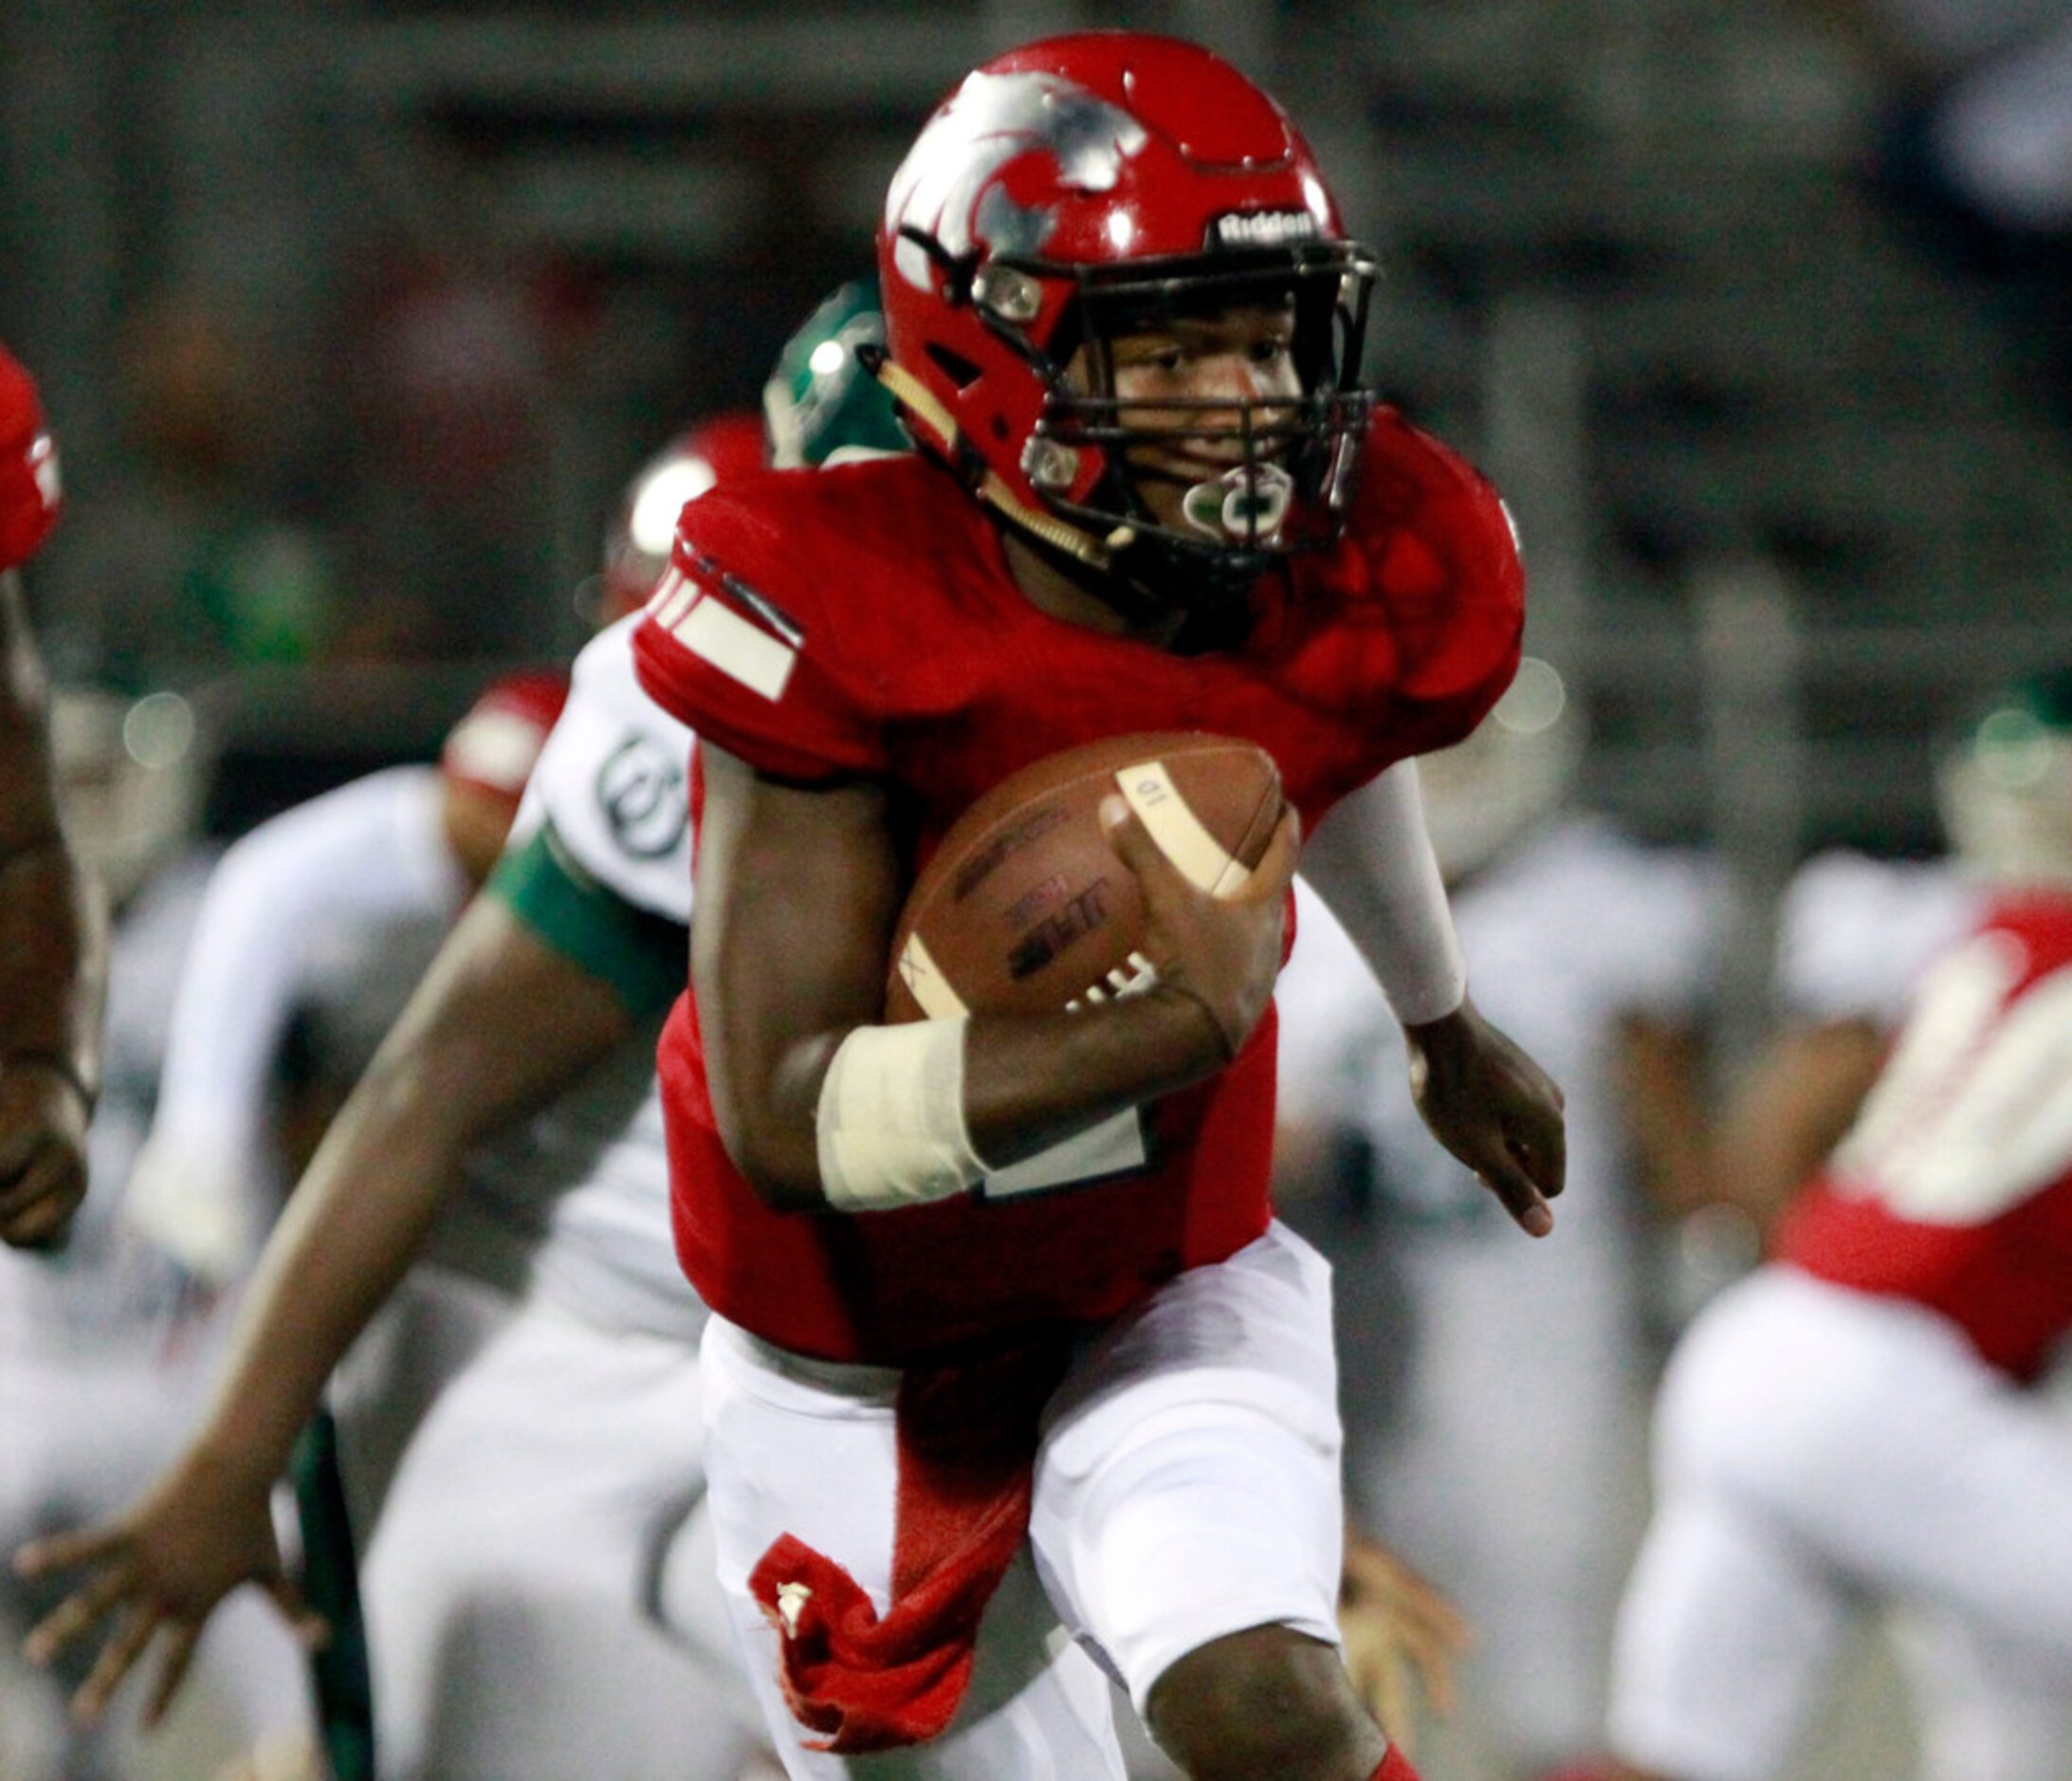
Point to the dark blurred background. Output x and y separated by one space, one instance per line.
354 317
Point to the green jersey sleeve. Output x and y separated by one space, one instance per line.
643 956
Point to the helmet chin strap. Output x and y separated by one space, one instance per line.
1142 576
1091 567
1141 573
1069 540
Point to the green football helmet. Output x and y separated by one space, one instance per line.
820 405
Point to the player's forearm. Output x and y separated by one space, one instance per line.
356 1222
54 963
28 801
500 1025
25 697
845 1123
1790 1110
53 928
1033 1081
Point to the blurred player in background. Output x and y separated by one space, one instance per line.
320 914
1856 933
107 1348
1467 1362
53 935
517 1431
1865 1421
314 927
1120 314
360 882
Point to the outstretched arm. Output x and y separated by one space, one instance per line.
1483 1099
798 893
503 1022
54 963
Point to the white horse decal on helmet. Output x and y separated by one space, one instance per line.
948 186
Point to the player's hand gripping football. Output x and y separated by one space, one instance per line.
160 1570
1223 954
1494 1108
1401 1637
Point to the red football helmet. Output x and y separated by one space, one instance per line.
637 543
1084 186
28 467
493 747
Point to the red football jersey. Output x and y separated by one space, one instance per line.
28 467
1955 1187
863 620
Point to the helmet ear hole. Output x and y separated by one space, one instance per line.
955 366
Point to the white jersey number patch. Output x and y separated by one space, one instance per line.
1973 1112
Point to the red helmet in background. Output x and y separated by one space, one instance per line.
637 543
493 747
29 490
1082 187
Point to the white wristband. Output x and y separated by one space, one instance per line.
1373 863
891 1118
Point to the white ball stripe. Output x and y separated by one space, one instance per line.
1181 836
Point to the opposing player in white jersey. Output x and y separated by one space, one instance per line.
359 882
1862 1421
1855 933
1470 1363
519 1431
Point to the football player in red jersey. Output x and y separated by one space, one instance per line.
52 930
1867 1420
1090 1401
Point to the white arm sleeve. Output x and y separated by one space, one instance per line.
371 852
1373 863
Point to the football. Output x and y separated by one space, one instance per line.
1025 908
